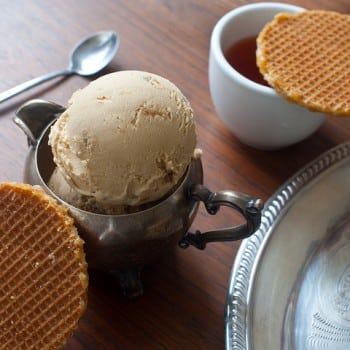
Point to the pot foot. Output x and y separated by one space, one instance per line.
130 282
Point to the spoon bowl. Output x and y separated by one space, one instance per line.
87 58
94 53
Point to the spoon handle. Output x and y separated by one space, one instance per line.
31 83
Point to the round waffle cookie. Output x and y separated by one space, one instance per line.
305 57
43 273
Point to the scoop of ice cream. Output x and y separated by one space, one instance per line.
59 185
125 139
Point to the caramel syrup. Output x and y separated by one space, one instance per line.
242 57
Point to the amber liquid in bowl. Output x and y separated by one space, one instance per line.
242 57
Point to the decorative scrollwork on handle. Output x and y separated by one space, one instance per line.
249 207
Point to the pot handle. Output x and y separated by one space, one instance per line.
249 207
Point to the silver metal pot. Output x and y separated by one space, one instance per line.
124 243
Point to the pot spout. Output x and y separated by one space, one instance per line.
34 116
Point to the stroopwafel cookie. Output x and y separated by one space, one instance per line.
305 57
43 273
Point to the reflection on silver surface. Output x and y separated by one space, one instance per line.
290 284
321 310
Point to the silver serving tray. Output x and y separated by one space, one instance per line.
290 283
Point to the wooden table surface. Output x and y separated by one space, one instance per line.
184 299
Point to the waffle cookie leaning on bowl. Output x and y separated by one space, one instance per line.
305 58
43 273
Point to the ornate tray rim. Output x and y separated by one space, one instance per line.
242 273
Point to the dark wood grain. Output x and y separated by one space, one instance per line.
183 305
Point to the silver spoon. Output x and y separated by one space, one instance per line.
87 58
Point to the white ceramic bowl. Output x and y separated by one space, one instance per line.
256 114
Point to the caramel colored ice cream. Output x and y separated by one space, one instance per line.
126 139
